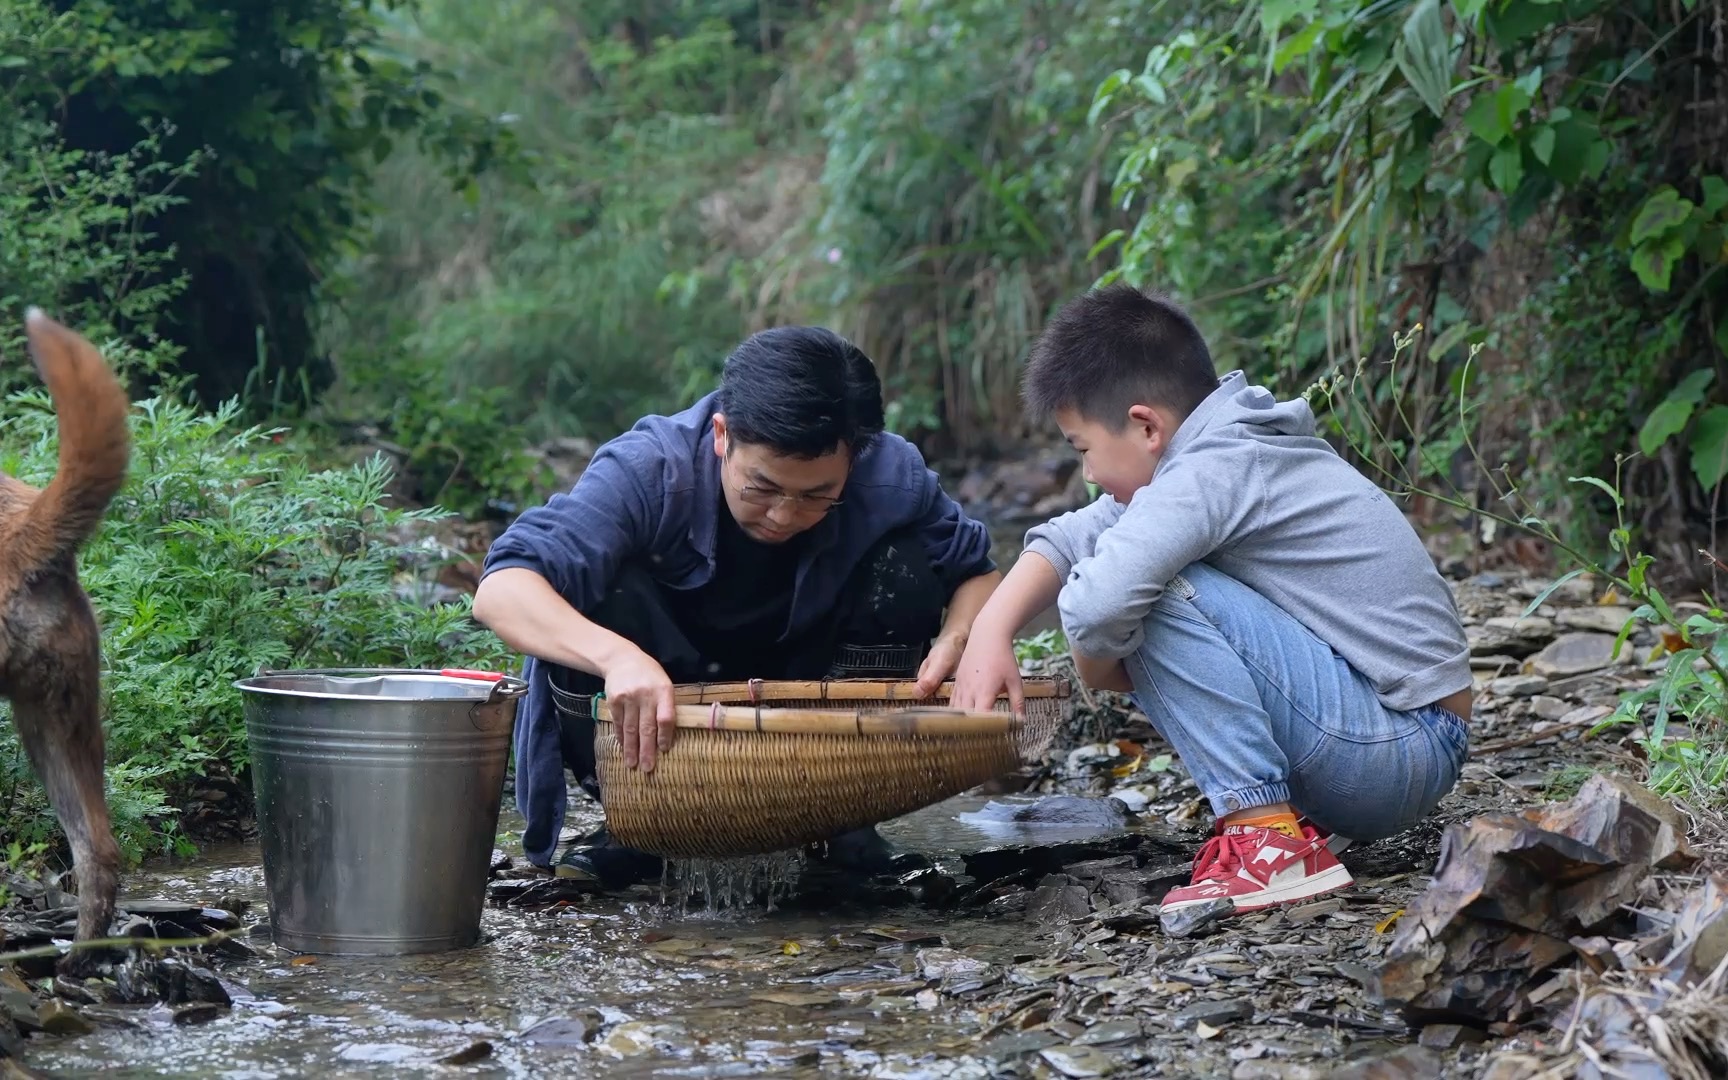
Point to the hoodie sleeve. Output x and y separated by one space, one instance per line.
578 539
1184 515
1067 538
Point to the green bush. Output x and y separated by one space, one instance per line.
225 552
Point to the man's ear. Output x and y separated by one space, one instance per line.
721 438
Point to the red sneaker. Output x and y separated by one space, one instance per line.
1260 868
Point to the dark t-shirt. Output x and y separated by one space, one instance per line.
736 619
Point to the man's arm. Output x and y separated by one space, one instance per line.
526 612
559 558
958 548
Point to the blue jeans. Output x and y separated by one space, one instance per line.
1261 712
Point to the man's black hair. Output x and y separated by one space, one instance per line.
1113 348
801 391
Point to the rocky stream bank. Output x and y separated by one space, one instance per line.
1020 935
1552 919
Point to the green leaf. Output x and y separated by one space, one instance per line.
1275 13
1662 212
1721 333
1296 46
1104 242
1506 168
1715 194
1665 421
1424 55
1106 93
1483 120
1654 260
1669 418
1596 481
1542 597
1710 446
1575 144
1178 171
1468 10
1542 144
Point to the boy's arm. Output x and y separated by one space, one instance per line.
1179 519
987 667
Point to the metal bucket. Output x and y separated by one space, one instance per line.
378 792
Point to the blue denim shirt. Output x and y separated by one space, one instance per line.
653 495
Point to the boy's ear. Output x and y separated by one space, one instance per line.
1149 423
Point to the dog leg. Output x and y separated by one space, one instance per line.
60 723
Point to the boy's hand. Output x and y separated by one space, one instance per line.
987 670
640 699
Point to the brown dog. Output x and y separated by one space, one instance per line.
50 647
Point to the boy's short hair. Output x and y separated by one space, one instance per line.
1113 348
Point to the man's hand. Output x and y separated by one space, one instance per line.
944 656
987 670
640 699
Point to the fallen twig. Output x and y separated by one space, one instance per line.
1534 737
148 944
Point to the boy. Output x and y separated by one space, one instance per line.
1270 609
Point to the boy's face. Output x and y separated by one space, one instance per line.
1120 462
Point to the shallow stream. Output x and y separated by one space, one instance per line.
703 994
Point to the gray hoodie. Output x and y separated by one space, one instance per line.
1248 487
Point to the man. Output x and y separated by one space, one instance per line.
772 530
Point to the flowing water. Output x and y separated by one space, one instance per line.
740 991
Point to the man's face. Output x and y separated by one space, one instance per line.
772 497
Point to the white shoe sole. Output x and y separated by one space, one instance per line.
1325 881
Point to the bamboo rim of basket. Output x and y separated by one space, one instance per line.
905 723
1032 686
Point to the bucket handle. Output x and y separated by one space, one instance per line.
503 686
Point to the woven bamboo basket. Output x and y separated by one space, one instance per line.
765 766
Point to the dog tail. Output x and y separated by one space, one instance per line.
95 446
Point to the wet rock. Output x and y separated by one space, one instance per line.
1213 1013
1197 919
1058 899
995 863
1574 654
1518 686
1108 1032
468 1055
930 887
1079 1061
1063 810
578 1029
17 1007
1511 889
634 1038
1409 1063
141 980
55 1017
198 1013
943 963
1450 1036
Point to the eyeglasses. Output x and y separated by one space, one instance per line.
803 504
